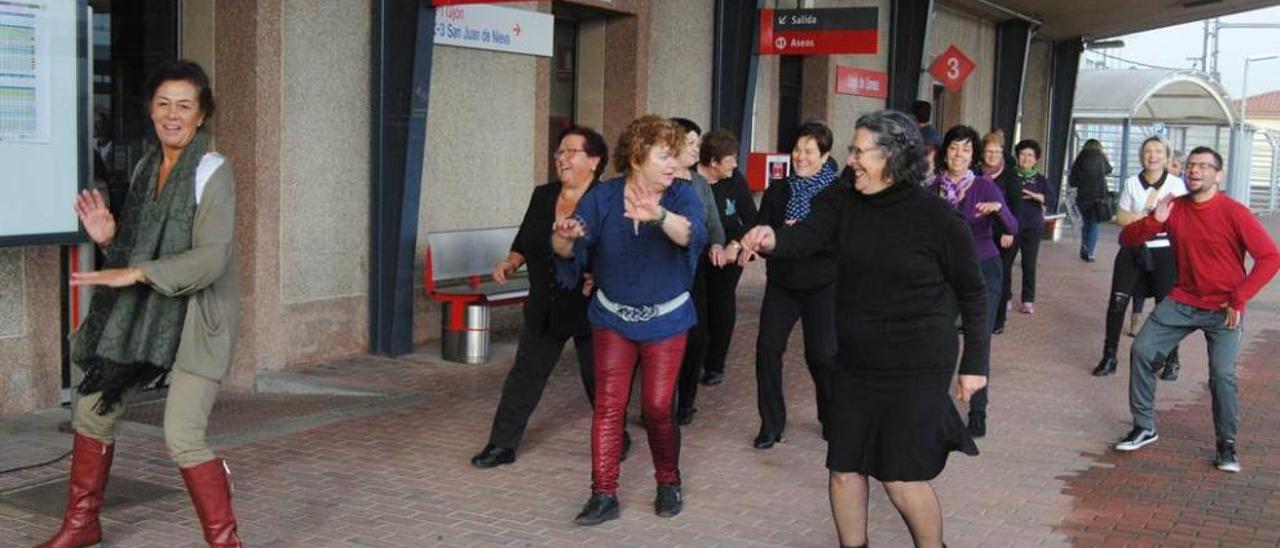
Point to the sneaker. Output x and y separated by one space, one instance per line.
1028 308
1137 438
1226 460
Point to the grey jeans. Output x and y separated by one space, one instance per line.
1171 322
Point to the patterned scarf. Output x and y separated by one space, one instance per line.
993 172
953 191
803 191
130 336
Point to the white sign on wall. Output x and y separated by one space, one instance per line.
495 28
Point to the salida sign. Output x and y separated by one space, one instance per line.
819 31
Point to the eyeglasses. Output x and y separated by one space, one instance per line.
1203 166
859 152
568 152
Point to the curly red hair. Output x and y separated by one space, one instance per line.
642 134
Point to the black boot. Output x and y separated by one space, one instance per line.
1107 365
1170 371
492 456
977 426
599 509
669 501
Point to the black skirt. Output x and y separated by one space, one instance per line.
894 429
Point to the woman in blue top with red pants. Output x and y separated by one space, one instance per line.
640 235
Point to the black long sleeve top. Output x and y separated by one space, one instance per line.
1011 187
810 270
735 204
551 309
906 266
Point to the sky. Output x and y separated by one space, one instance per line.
1171 46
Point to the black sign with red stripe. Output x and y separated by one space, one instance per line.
819 31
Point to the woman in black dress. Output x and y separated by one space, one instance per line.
907 267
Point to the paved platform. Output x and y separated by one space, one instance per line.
396 473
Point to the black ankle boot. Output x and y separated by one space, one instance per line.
1170 371
492 456
669 501
1107 365
599 509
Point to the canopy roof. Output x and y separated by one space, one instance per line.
1170 96
1093 19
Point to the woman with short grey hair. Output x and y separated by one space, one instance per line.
906 266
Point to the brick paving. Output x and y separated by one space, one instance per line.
1046 476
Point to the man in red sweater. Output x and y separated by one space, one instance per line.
1210 234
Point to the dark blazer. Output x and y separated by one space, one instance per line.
551 310
811 272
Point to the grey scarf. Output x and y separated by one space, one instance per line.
130 337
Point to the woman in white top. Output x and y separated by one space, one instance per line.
1150 264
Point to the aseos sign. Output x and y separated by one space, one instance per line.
952 68
495 28
819 31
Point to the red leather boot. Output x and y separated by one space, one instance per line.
90 465
211 493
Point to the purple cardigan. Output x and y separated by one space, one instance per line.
984 190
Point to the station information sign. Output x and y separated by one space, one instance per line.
863 82
952 68
819 31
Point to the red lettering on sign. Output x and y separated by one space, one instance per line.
866 83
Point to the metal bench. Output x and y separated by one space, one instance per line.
457 275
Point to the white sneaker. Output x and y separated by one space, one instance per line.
1137 438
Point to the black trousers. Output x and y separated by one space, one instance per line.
722 314
1028 243
1153 267
695 349
536 356
992 271
816 309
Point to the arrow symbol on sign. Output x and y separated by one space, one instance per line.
516 29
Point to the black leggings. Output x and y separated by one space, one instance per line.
1153 267
1027 242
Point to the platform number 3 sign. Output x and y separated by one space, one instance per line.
952 67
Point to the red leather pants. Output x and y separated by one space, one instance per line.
615 366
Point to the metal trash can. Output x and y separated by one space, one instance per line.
467 342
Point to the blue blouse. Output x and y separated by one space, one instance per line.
636 269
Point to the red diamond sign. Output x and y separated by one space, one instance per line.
952 68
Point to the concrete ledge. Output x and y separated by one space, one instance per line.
284 382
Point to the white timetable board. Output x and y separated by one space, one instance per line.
43 130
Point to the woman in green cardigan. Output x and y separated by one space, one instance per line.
167 304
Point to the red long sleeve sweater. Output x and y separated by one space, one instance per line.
1209 242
